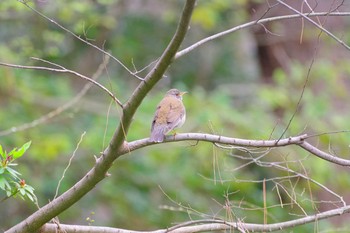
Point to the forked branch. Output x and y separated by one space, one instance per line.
98 172
118 146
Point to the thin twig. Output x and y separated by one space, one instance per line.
307 17
328 133
63 70
264 201
301 96
295 174
311 180
68 165
81 39
59 110
183 208
293 199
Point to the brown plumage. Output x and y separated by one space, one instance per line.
170 114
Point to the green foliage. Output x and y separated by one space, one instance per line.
162 184
10 181
210 14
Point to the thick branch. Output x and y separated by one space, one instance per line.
118 146
98 172
297 140
131 146
205 225
153 76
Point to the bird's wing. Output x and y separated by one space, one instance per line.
176 112
155 117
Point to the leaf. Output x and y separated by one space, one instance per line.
12 151
29 189
12 164
31 198
22 191
20 151
30 193
9 193
15 174
2 153
4 185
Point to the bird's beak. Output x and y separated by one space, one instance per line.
182 93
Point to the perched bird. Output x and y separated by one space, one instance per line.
170 114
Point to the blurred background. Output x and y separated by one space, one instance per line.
244 85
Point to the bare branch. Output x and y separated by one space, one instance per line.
99 171
313 150
304 177
68 165
328 133
131 146
64 70
303 89
261 21
297 140
81 39
154 75
205 225
307 17
119 146
59 110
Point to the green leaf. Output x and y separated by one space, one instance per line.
12 164
31 198
4 185
20 151
11 152
15 174
9 193
29 189
22 191
30 193
2 153
2 170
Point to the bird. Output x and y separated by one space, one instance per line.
170 114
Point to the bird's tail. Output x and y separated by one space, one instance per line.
157 134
